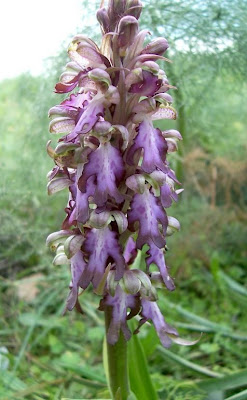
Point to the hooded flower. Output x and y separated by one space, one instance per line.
101 247
120 303
106 165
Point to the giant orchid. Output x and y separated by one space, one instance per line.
114 163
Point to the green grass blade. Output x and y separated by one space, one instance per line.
227 382
221 329
11 381
195 367
140 381
238 396
232 284
48 300
86 372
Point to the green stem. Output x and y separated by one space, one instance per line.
117 364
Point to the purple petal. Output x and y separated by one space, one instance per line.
100 244
82 203
77 267
67 87
130 251
106 164
151 311
88 118
148 212
156 256
166 195
120 302
154 145
148 86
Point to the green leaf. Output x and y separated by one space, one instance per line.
105 362
47 298
55 345
235 286
84 371
209 325
195 367
150 341
238 396
11 381
227 382
140 381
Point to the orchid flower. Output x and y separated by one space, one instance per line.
115 164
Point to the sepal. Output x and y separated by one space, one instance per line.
173 226
57 238
72 245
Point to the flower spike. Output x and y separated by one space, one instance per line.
114 163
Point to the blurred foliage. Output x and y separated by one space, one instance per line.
46 356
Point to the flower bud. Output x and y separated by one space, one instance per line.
57 184
134 7
103 19
150 66
60 258
131 283
100 220
147 290
98 75
158 176
127 30
72 245
111 282
157 46
136 183
63 148
56 238
121 221
102 128
172 133
133 77
124 133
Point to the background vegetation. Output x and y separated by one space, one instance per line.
46 356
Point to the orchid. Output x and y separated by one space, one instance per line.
114 163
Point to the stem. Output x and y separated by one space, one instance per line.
117 364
